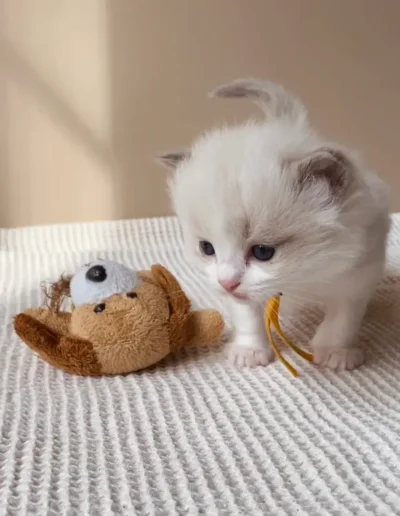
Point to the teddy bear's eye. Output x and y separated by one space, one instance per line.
99 308
131 294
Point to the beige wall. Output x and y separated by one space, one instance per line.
91 89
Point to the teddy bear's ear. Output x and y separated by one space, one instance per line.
71 354
146 276
178 301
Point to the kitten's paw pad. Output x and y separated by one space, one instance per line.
243 356
339 359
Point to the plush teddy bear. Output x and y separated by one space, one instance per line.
121 320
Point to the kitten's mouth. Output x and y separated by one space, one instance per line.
243 297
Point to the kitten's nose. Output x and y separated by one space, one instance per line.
229 284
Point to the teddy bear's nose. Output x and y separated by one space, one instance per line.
96 273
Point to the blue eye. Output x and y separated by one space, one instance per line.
207 248
263 253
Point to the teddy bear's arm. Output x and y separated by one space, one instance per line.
205 327
178 301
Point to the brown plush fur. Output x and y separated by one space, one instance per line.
57 292
70 354
129 335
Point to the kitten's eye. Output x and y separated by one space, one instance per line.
207 248
263 253
99 308
131 295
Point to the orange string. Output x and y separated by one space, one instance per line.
272 319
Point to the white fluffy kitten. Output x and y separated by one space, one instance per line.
271 207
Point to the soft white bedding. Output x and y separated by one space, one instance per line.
195 436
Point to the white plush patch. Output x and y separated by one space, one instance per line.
119 279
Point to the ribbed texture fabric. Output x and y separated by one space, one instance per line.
195 435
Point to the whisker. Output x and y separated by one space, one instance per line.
291 295
298 303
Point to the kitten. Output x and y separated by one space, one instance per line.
271 207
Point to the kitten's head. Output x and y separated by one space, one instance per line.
266 207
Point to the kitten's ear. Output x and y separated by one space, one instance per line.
172 159
272 98
330 165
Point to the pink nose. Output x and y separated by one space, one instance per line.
229 284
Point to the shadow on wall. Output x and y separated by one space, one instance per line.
82 156
165 57
135 114
16 69
157 78
4 167
21 71
160 59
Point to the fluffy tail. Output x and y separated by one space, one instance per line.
272 98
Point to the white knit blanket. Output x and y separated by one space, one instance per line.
195 436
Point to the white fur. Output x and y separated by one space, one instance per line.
239 186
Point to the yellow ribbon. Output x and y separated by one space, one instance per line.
272 318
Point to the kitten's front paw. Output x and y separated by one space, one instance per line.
249 352
339 359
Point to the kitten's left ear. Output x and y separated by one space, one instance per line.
172 159
330 165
